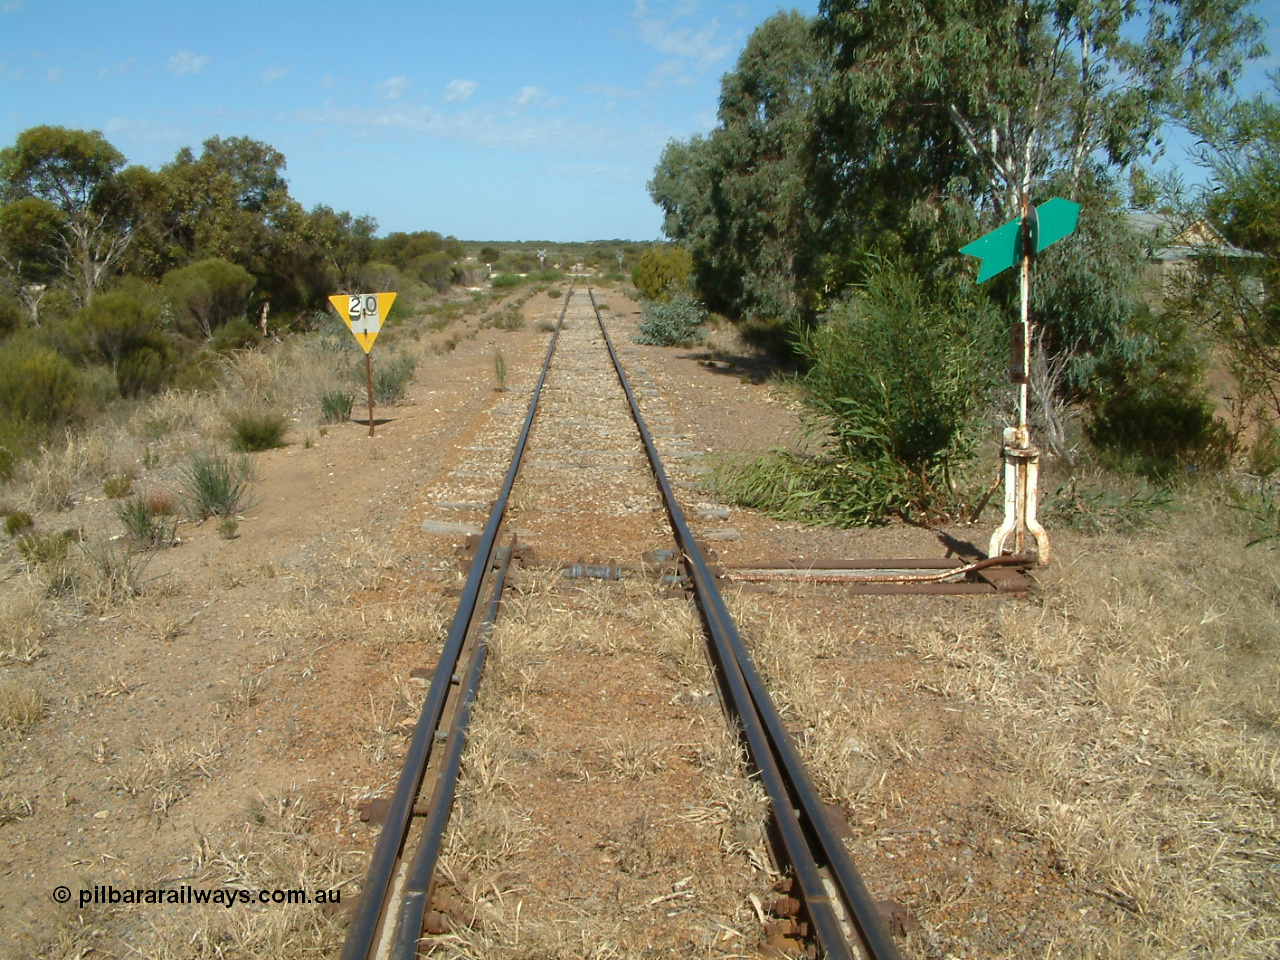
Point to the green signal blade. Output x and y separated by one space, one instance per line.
998 250
1057 220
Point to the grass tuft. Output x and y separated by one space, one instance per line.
20 707
335 406
145 525
216 486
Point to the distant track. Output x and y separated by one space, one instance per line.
843 920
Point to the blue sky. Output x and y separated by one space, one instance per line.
484 120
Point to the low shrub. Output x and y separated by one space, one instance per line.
256 430
46 549
118 486
508 318
675 322
391 379
505 280
115 572
897 381
18 523
663 272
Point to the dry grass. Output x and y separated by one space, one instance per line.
278 846
501 911
24 621
845 744
1136 706
162 770
21 705
58 474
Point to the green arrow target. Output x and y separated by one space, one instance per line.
998 250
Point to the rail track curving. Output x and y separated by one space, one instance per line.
843 920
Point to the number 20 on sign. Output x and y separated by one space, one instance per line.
363 314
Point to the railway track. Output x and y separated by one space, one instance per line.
833 910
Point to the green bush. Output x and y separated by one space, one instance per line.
17 439
215 486
40 387
1151 414
663 272
897 378
391 378
208 294
335 406
12 315
674 322
504 280
115 324
237 334
256 430
18 523
1156 435
144 371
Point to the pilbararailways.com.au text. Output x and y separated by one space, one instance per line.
225 896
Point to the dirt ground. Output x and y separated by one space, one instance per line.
220 729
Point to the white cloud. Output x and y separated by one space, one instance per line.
12 6
152 131
120 69
185 62
700 44
393 88
272 74
528 95
470 126
459 91
54 75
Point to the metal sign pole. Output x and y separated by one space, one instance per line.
1021 239
368 376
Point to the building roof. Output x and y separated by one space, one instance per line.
1172 238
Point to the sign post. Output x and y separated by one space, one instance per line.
1019 241
363 313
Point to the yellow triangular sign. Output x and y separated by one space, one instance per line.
364 314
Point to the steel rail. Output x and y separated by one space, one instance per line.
799 812
417 885
366 920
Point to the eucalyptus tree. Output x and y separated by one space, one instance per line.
343 241
75 172
1026 89
1238 295
737 199
30 234
232 201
